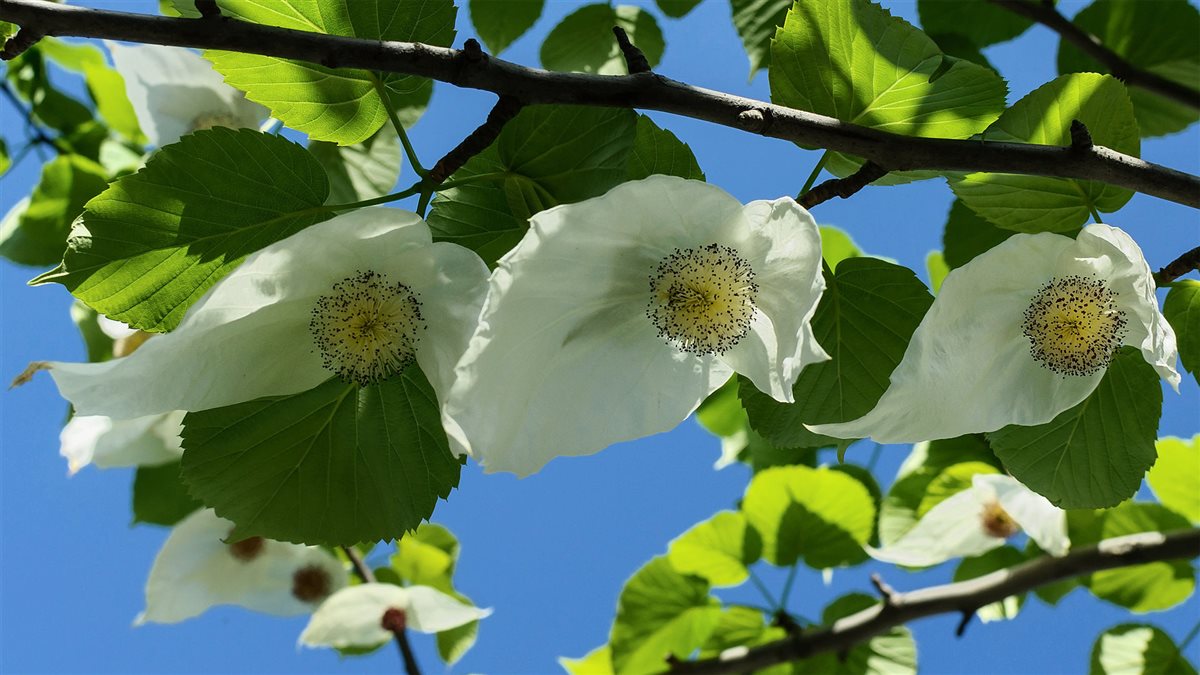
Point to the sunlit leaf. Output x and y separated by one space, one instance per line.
583 41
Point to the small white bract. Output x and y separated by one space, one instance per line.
196 569
1020 334
142 441
355 616
615 317
338 298
978 520
174 91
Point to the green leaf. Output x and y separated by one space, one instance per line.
38 235
51 107
426 557
660 612
958 46
5 160
658 151
1095 454
334 465
500 22
1156 36
852 60
951 481
936 267
107 88
153 242
1043 117
159 496
454 643
547 155
362 171
719 549
342 105
583 42
1182 309
837 245
979 22
968 235
676 9
864 322
995 559
892 653
822 515
596 662
1137 649
1175 477
737 626
1142 588
755 22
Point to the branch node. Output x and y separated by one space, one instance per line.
755 120
472 51
17 44
635 60
1178 267
885 591
967 615
785 621
843 187
208 9
475 142
1081 138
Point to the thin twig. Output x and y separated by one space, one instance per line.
1178 267
962 598
389 620
1046 14
635 60
843 187
475 142
893 152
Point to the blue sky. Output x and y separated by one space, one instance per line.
550 552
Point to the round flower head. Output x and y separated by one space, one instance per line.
107 443
174 91
359 297
198 568
978 520
1018 335
615 317
364 615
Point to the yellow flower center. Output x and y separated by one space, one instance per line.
997 523
1074 326
210 120
367 328
702 299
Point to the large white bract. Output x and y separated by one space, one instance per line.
1018 335
262 330
174 91
354 616
615 317
197 569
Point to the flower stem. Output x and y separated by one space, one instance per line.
1187 640
409 151
812 177
787 587
1095 214
762 588
365 575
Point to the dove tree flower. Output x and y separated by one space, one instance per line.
365 615
174 91
1020 334
359 296
977 520
198 568
613 319
108 443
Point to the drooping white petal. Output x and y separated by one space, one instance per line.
196 570
1044 522
951 529
353 617
113 328
107 443
249 335
173 90
565 360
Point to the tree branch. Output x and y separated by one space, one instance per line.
390 620
1046 14
650 91
963 598
1178 267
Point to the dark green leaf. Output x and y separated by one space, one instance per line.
153 242
967 235
755 22
677 8
362 171
583 41
892 653
953 44
51 107
1137 649
547 155
657 150
337 464
1182 309
979 22
864 322
1095 454
38 236
160 497
660 612
500 22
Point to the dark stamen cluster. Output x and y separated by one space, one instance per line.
1074 326
702 299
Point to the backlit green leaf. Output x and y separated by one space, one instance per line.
500 22
1142 588
38 234
1137 649
995 559
583 42
1175 476
755 22
1182 309
362 171
978 21
718 549
892 653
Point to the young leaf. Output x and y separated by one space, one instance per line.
1095 454
657 150
1038 203
1137 648
864 321
334 465
1156 36
583 42
159 496
719 549
822 515
1175 476
153 242
596 662
1182 309
837 245
499 23
37 235
341 105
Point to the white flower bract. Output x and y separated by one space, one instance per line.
252 334
196 569
174 91
108 443
613 319
353 617
978 520
1018 335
